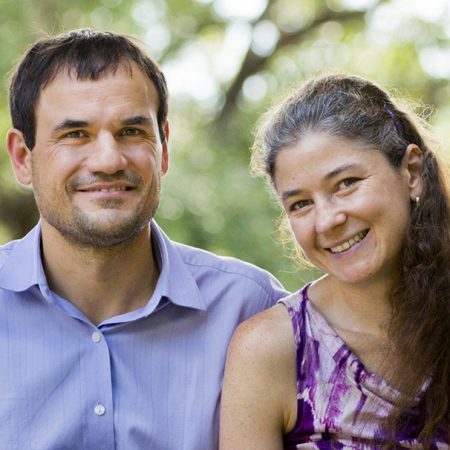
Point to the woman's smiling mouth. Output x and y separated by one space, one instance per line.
350 243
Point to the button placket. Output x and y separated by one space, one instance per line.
97 389
99 408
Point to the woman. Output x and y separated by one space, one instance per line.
359 358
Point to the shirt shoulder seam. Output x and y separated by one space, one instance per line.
240 274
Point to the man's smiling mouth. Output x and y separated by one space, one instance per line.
113 189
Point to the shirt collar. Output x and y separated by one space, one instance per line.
23 269
175 281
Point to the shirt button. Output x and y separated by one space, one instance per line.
99 409
96 337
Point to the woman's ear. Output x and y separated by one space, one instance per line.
20 156
412 168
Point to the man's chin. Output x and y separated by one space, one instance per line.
103 237
102 231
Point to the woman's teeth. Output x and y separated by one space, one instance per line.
346 245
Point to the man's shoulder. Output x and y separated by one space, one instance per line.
197 259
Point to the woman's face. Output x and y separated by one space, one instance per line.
348 208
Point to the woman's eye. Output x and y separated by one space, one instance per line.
347 182
299 205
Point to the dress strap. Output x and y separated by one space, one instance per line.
296 305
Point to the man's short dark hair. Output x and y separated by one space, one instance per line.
85 54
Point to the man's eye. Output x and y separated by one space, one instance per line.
77 134
130 132
347 182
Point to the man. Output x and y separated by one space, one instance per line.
111 335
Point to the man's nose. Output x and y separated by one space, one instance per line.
107 155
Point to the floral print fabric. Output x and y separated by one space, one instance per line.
340 404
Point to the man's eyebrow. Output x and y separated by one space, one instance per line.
74 123
71 123
335 172
137 120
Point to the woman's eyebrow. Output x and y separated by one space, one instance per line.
286 194
340 169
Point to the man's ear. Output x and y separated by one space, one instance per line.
20 156
412 164
165 150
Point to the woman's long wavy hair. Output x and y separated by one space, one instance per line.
357 109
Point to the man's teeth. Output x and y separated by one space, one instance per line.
110 189
349 243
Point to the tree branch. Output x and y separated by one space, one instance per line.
254 63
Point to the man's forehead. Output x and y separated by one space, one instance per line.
126 77
75 74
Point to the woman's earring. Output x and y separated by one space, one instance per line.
417 200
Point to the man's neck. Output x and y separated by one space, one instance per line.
102 283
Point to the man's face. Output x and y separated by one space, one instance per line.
98 160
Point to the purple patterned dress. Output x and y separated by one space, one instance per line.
340 404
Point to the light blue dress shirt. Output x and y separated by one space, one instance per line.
148 379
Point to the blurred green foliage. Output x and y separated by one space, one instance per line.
226 61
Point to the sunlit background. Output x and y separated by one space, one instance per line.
226 61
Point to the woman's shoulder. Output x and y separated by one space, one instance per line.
268 335
260 347
256 393
265 332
